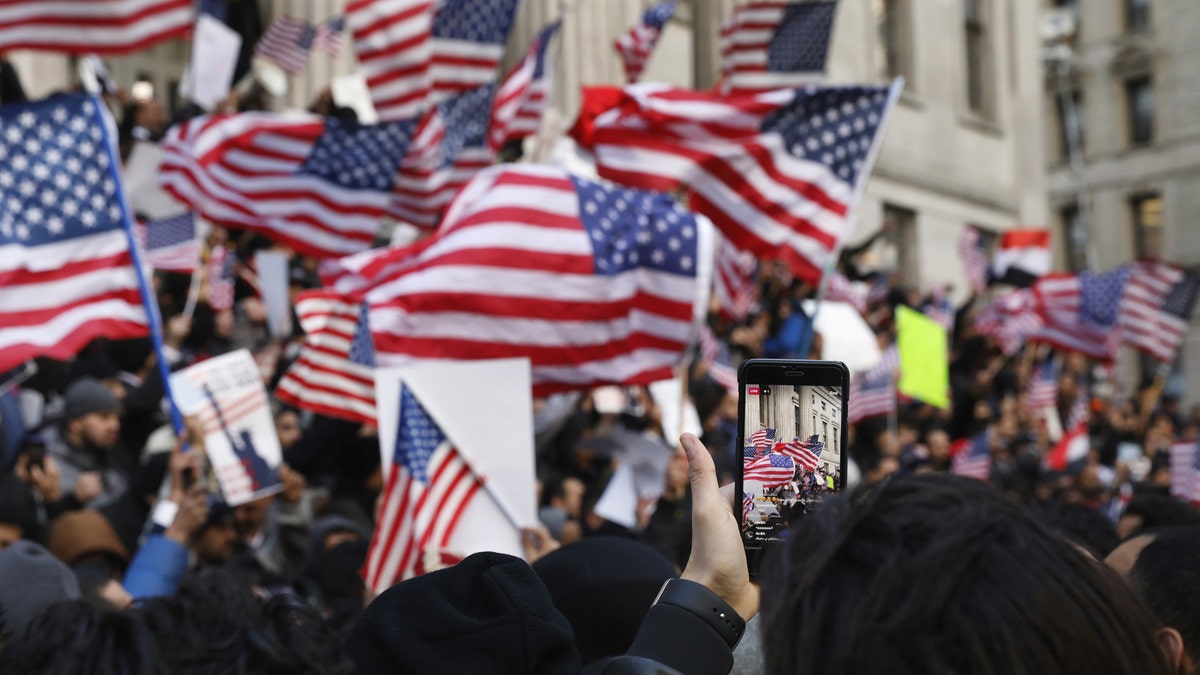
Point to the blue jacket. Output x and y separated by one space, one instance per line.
156 568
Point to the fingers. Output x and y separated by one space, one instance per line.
702 474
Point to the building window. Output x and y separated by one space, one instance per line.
1137 14
978 62
900 242
895 35
1076 237
1070 121
1139 94
1146 210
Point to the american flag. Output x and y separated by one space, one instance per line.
1080 412
169 244
715 356
287 43
416 53
221 281
635 46
1155 308
807 453
972 457
747 505
939 308
1080 312
878 288
772 471
66 271
771 45
1010 319
1185 471
1042 390
778 173
761 441
449 148
521 99
331 36
97 26
593 284
841 289
319 186
873 393
334 373
972 250
734 284
429 486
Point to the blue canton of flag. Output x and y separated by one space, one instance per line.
465 119
750 452
419 437
636 228
170 231
801 41
658 15
1182 298
815 446
834 126
308 35
357 156
1100 296
475 21
973 458
362 347
544 38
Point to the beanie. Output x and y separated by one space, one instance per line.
88 395
81 533
604 586
31 580
487 614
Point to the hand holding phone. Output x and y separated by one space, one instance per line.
792 436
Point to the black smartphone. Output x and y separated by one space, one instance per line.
37 456
792 441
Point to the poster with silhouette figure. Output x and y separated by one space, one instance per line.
239 432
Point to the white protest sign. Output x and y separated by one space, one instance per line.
215 49
140 175
485 410
272 268
350 91
847 337
239 431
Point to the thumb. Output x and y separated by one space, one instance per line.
702 474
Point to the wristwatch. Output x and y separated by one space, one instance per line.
700 601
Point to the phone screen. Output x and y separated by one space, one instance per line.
792 453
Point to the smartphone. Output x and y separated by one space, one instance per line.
792 442
37 456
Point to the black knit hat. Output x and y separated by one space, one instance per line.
88 395
487 614
604 586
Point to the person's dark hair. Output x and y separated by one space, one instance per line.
215 623
933 573
72 637
1080 524
1166 576
1160 510
16 509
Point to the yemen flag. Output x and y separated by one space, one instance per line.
1021 257
1072 448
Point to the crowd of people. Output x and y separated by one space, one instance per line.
114 559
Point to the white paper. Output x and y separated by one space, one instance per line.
140 175
272 267
620 498
215 49
846 337
486 409
239 431
350 91
667 393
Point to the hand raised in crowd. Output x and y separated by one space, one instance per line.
293 484
537 542
717 560
192 514
176 331
88 486
179 463
44 478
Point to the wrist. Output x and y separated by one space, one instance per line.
706 605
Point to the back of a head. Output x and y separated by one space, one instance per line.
1166 576
932 573
72 637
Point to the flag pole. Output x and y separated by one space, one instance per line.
149 300
193 295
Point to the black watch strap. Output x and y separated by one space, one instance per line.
706 605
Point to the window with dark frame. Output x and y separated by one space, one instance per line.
1139 95
978 63
1075 237
894 34
1146 210
900 242
1070 120
1137 14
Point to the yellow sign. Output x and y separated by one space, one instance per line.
924 358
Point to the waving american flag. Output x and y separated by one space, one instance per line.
521 100
635 46
95 26
770 45
772 471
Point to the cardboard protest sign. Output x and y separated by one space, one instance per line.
848 338
924 358
272 268
215 49
239 431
